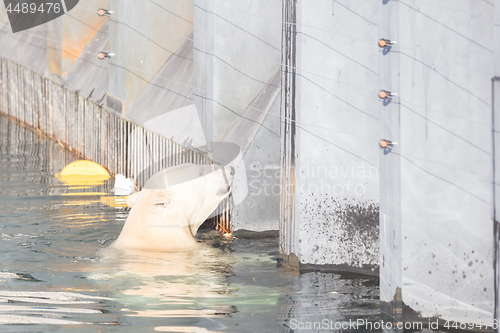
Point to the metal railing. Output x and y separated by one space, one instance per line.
93 132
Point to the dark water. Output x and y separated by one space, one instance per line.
57 274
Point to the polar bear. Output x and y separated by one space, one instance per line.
173 204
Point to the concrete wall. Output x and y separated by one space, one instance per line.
28 48
62 40
79 27
143 37
496 163
329 138
4 20
390 169
257 134
68 35
88 75
237 64
438 237
169 91
237 51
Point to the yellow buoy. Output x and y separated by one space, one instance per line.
115 202
81 173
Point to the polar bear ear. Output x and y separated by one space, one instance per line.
132 199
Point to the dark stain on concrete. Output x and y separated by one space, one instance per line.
340 232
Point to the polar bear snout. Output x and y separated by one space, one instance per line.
173 204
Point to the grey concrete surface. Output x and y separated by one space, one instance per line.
390 164
257 134
88 75
143 37
236 52
28 48
445 52
496 164
236 68
78 27
329 143
68 35
170 89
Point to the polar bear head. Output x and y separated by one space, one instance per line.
173 204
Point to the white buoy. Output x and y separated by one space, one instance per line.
123 186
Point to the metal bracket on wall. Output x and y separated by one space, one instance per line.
386 42
104 12
104 55
386 143
384 94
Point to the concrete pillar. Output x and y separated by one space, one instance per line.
329 135
55 46
440 237
496 163
289 228
390 164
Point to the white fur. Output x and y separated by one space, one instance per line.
167 213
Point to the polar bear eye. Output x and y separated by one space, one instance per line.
158 205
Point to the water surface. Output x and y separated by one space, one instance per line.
58 274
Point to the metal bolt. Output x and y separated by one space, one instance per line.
385 42
384 94
103 12
386 143
104 55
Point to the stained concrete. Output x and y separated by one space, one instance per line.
79 27
329 165
444 251
496 162
68 35
88 76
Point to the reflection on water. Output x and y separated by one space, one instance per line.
57 272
